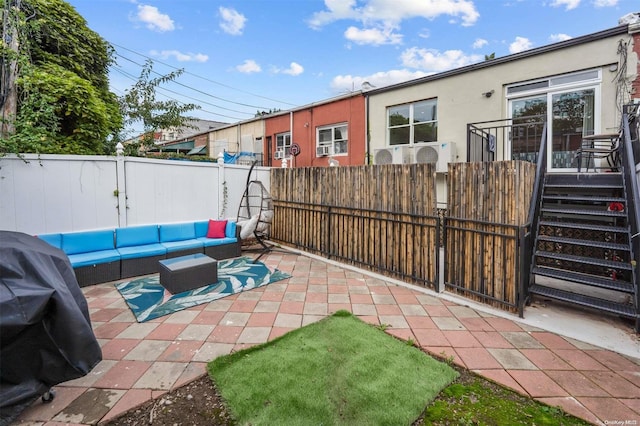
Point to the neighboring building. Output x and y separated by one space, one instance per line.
191 139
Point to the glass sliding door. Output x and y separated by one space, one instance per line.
572 117
528 117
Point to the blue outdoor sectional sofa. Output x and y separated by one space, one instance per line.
111 254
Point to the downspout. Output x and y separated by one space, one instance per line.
367 135
291 130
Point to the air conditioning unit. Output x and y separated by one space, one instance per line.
323 151
393 155
278 155
438 153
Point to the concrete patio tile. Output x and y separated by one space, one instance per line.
235 319
383 299
537 383
267 306
502 324
181 351
522 340
123 375
463 312
420 322
225 334
552 341
502 378
413 310
512 359
210 351
315 309
161 375
221 305
44 412
358 290
448 323
131 399
109 330
492 339
278 331
291 307
182 317
90 407
125 316
294 296
318 285
610 411
166 331
243 305
105 315
572 406
426 299
279 287
579 359
404 334
475 323
545 359
198 332
615 384
262 319
249 295
300 286
438 311
581 345
477 358
576 383
529 328
360 310
116 349
310 319
388 310
338 298
207 318
147 350
461 339
332 308
288 320
370 319
394 321
361 299
335 288
445 354
137 330
254 335
93 376
316 298
633 403
614 361
193 371
430 337
378 287
406 299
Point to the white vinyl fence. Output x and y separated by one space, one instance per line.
64 193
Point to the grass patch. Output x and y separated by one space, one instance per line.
336 371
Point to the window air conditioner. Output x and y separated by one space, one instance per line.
393 155
323 151
278 155
438 153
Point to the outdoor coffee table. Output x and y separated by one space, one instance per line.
188 272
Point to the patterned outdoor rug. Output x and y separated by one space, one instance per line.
148 299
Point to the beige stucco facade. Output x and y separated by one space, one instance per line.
245 136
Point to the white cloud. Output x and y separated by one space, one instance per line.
605 3
153 19
232 21
249 66
373 36
567 4
392 12
179 56
425 33
559 37
294 69
435 61
343 83
520 44
480 43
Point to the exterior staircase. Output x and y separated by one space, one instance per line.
583 251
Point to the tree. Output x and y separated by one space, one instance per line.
140 105
490 56
64 104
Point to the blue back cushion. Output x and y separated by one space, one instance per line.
53 239
230 230
137 236
84 242
177 231
202 227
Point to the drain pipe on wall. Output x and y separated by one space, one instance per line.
366 117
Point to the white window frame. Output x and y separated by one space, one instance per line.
332 143
411 124
283 143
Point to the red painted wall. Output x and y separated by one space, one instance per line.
635 84
349 110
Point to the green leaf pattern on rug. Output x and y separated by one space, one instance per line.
145 296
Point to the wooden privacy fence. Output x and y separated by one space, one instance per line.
485 228
382 218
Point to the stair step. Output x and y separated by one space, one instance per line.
580 299
605 213
583 259
588 243
587 226
585 186
584 198
582 180
592 280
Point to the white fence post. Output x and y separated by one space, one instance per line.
121 186
222 188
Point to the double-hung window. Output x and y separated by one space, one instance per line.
283 143
332 140
413 123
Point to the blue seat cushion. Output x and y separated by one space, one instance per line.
93 258
88 241
208 242
53 239
135 252
182 245
137 236
177 232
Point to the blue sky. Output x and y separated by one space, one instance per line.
241 56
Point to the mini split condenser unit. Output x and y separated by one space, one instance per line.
393 155
438 153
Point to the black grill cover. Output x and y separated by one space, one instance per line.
45 331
